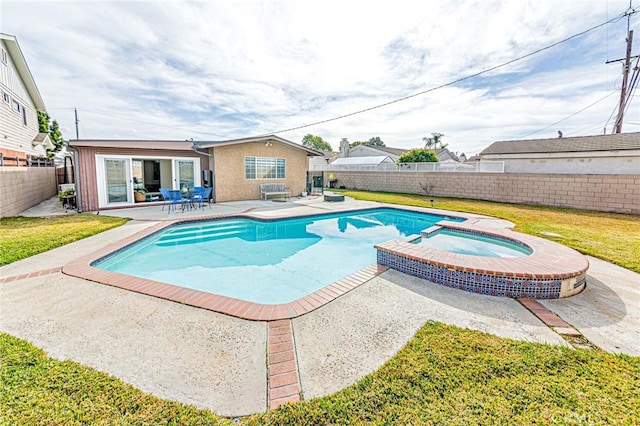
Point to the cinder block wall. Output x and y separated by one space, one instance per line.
608 193
24 187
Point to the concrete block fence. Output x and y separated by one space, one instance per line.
24 187
607 193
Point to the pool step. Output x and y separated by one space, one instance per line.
201 233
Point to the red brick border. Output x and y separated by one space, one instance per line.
30 275
550 319
223 304
283 383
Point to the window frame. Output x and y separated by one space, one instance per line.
5 57
265 168
6 98
15 106
24 115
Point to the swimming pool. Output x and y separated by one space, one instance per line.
267 262
550 271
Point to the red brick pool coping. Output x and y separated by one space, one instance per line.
548 260
81 268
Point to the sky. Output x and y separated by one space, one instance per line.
220 70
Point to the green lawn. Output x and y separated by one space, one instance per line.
444 375
22 237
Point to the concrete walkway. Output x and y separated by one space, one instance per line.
218 362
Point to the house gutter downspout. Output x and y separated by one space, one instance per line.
213 169
76 175
201 153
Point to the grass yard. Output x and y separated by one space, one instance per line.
444 374
22 237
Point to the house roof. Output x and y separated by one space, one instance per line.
43 139
363 160
213 144
387 149
613 142
146 144
20 63
394 151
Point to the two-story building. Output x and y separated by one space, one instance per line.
20 101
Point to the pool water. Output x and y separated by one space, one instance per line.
266 262
473 244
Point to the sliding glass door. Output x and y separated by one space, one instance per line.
117 176
118 180
185 174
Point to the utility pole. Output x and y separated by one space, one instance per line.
623 90
75 110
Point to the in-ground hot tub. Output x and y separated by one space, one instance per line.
530 267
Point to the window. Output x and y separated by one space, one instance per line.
15 105
5 97
264 168
24 115
4 56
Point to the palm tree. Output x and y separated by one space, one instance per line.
434 140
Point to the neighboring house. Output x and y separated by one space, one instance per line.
320 162
617 153
362 161
109 171
443 154
376 151
19 105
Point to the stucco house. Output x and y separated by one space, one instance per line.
617 153
20 140
110 171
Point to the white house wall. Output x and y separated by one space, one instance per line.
14 135
615 162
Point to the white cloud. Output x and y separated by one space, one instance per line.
220 69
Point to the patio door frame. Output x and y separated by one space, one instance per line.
101 180
101 175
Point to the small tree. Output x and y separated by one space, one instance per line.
427 187
55 136
375 141
418 155
316 142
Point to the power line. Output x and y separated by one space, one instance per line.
629 12
569 116
451 83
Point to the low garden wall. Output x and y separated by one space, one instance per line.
607 193
24 187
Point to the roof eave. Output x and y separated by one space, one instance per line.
213 144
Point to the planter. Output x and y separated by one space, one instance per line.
139 197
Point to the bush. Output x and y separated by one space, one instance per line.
418 155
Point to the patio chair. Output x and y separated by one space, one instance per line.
202 197
171 198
